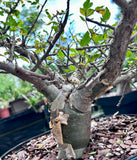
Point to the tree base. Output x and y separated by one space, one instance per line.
77 153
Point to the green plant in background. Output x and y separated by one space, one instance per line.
12 88
7 87
3 104
33 98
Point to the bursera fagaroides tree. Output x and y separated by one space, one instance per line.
75 68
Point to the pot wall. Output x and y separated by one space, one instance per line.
4 113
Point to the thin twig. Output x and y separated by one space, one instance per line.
123 94
12 48
34 69
3 72
133 85
68 55
4 10
61 29
95 67
33 25
132 37
96 46
100 24
11 10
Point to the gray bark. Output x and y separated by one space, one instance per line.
123 88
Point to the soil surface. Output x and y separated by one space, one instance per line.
112 138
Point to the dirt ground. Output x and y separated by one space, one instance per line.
112 138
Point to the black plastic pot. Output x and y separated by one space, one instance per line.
127 106
21 127
134 157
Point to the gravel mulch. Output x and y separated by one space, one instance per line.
112 138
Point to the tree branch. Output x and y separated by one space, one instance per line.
11 10
30 73
50 91
52 74
126 77
100 24
33 25
61 29
118 50
132 37
96 46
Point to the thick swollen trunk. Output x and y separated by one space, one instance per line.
77 132
71 117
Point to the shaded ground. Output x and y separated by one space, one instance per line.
112 138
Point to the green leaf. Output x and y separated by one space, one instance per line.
98 38
48 14
20 23
98 8
72 54
93 34
82 11
92 153
106 16
46 66
50 58
8 4
54 22
108 154
23 5
129 54
1 13
60 54
83 64
85 40
16 56
24 59
16 13
90 73
63 39
13 29
82 18
87 4
73 50
11 22
55 28
23 31
118 142
86 10
72 68
58 45
89 12
93 57
36 2
66 70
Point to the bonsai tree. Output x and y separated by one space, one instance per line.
76 68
